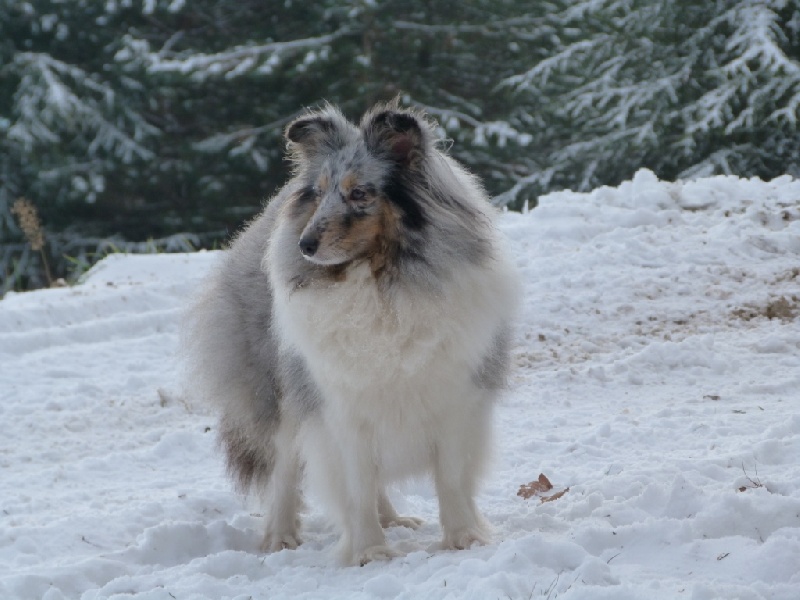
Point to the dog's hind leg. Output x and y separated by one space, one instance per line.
390 518
283 495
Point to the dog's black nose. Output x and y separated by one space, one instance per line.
308 245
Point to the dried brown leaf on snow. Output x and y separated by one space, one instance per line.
555 496
539 488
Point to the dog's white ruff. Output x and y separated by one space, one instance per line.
397 374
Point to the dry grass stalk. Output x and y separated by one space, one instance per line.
28 218
752 483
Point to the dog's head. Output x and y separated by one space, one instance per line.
357 182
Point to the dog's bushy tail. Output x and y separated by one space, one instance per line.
219 360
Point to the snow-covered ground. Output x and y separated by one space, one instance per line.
656 375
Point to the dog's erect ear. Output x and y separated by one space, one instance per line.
311 134
397 134
318 132
309 131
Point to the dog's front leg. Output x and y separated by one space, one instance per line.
461 456
363 540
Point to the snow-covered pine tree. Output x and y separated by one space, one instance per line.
446 57
684 88
67 122
104 145
150 117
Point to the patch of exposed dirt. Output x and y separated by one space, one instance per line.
785 308
790 275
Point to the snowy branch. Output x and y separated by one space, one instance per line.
481 130
491 28
55 97
230 63
538 75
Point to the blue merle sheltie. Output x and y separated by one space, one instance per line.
357 332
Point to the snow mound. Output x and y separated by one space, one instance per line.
657 377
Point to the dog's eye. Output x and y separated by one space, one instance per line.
357 194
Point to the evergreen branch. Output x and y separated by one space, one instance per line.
232 61
490 29
481 129
219 141
557 62
46 102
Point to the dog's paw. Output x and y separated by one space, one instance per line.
375 553
396 521
464 538
275 542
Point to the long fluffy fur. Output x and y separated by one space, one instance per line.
372 351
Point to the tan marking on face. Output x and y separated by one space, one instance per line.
323 182
349 181
361 239
381 259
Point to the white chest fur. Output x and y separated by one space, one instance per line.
361 336
396 365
